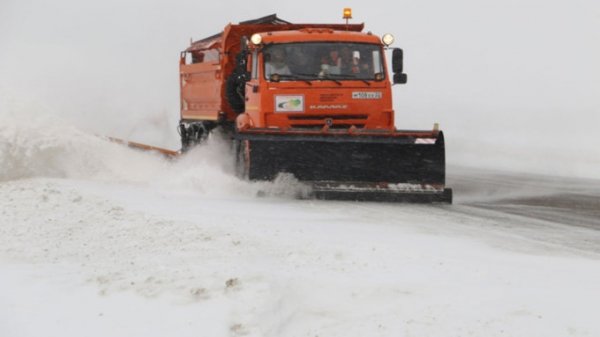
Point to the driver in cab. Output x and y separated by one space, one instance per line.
276 63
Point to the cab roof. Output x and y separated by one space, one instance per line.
319 34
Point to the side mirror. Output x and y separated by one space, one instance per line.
397 66
400 78
397 60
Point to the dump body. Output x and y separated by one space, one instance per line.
313 101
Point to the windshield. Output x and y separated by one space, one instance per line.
323 60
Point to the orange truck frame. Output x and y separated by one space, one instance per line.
312 100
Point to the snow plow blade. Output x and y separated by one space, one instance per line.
165 152
401 167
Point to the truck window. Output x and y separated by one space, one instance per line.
318 60
377 60
202 56
197 56
254 64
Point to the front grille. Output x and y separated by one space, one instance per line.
320 126
316 122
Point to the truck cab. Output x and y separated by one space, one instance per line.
316 78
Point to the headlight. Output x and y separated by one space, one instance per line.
256 39
387 39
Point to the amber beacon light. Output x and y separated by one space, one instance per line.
347 14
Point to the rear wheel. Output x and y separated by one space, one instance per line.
194 133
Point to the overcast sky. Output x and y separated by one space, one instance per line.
514 84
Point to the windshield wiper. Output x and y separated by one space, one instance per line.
328 77
319 77
295 77
350 77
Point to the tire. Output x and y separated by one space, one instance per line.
194 133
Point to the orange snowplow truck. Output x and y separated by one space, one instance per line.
314 101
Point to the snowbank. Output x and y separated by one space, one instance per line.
242 266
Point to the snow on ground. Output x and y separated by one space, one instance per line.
100 240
